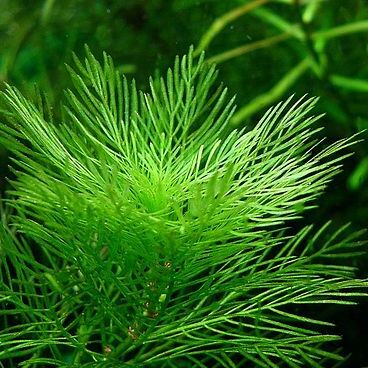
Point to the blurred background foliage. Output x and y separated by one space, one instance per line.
266 50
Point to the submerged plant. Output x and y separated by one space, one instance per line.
141 231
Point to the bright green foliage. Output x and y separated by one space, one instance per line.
142 231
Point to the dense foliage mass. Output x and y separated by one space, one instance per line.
267 51
144 231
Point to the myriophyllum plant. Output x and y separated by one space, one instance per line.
142 230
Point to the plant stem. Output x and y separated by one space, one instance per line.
244 49
307 36
343 30
274 94
46 11
222 21
278 22
352 84
283 25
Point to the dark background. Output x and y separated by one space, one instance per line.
37 38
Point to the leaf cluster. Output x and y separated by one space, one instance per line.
142 231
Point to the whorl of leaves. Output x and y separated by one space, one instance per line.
140 231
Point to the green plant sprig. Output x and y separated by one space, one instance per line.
145 232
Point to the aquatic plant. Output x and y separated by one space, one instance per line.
142 231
